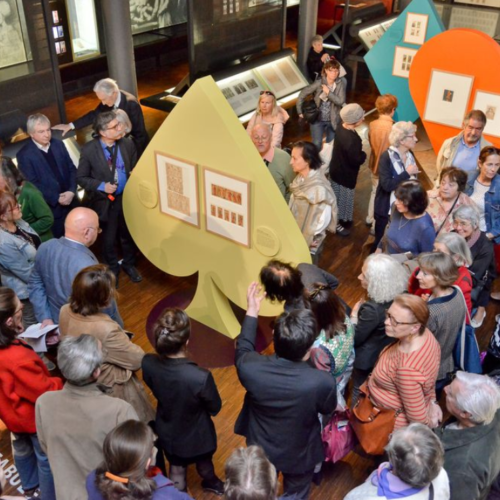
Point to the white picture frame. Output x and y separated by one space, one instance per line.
403 57
227 206
489 104
448 96
416 28
178 188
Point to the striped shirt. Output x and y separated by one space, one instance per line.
406 380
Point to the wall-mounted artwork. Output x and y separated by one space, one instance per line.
447 98
148 15
489 103
227 206
178 188
12 49
416 28
403 57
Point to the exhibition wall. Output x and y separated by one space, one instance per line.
201 200
452 74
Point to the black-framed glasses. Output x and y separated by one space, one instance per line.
266 92
395 322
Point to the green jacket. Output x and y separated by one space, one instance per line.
35 211
471 458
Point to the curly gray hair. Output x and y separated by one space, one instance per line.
386 277
399 131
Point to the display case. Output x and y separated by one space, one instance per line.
14 41
149 15
83 29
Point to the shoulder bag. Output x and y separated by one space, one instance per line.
310 110
372 424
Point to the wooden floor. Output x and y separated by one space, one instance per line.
342 257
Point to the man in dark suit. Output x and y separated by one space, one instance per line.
45 162
111 98
284 395
58 261
105 166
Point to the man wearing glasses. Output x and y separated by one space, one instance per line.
105 166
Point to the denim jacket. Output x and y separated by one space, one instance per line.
491 204
17 258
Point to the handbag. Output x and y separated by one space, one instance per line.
310 110
338 437
372 424
466 351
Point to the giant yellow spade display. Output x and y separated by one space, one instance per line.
202 200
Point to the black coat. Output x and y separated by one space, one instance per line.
94 169
369 336
347 157
483 259
283 399
187 397
389 180
131 106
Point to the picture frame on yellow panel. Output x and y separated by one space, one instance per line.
227 206
416 28
178 188
489 104
448 95
403 57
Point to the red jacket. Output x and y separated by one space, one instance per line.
464 282
23 377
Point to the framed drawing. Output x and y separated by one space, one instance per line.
416 28
178 188
227 206
403 57
12 49
489 104
447 98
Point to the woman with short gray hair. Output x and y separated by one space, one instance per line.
383 278
466 224
396 165
414 470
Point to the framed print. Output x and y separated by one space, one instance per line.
489 104
447 98
12 49
416 28
403 57
282 76
227 206
178 188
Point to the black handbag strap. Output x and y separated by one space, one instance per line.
448 214
431 492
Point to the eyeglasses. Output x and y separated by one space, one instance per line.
98 229
118 124
462 223
19 309
266 92
395 322
17 206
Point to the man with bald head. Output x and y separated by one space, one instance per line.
276 160
58 261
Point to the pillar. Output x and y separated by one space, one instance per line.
119 44
308 17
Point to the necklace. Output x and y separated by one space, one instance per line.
23 234
404 223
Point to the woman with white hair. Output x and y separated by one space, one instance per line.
269 113
383 278
414 470
466 222
396 165
471 438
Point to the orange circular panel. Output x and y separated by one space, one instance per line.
448 59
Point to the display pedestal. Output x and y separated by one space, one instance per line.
207 347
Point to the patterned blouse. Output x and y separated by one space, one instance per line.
439 214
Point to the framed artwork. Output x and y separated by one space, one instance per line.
12 50
447 98
178 188
227 206
416 28
489 104
403 57
282 76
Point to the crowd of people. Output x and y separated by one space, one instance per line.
93 433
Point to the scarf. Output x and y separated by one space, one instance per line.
389 485
473 238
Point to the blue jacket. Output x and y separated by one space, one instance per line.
491 204
36 169
17 258
57 263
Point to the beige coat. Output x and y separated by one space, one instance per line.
122 358
71 426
